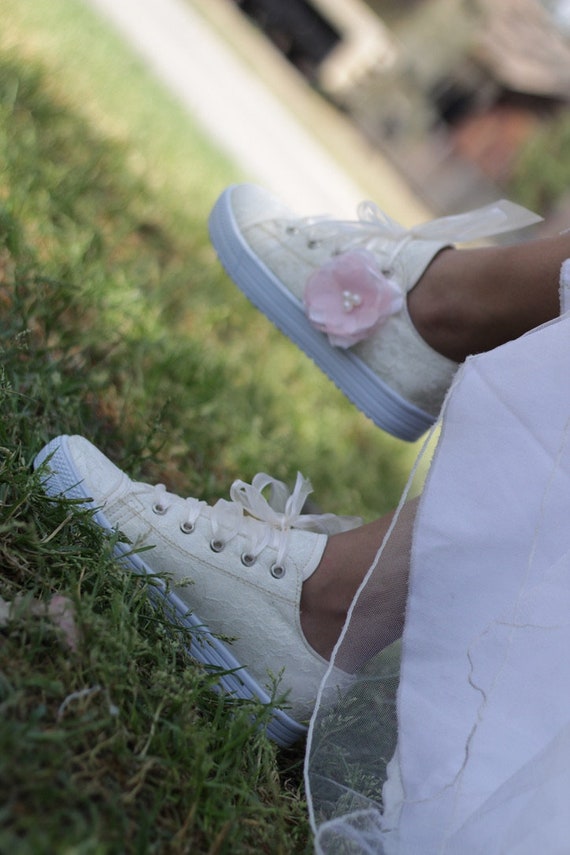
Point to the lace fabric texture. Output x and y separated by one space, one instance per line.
457 739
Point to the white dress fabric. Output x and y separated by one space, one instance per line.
465 748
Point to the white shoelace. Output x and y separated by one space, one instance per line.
373 225
264 522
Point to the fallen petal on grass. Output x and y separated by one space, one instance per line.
60 610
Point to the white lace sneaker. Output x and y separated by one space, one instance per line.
243 563
338 290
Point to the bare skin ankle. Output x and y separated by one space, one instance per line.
470 301
329 592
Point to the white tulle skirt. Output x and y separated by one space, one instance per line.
463 746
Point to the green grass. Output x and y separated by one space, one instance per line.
542 172
116 322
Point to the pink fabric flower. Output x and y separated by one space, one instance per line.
349 298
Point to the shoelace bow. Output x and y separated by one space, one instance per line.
373 224
264 521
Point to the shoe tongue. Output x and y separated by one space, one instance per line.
412 263
310 548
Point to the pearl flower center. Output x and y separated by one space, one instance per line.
350 301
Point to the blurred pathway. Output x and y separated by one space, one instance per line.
241 113
231 103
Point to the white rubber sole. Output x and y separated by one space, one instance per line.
354 378
204 647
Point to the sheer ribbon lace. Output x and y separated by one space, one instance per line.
265 522
373 225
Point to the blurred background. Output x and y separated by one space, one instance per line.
458 95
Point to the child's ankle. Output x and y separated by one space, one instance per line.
433 309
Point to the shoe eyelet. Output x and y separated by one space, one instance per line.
247 560
277 571
387 271
187 527
291 230
217 545
159 509
313 244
